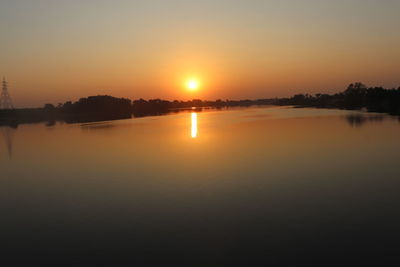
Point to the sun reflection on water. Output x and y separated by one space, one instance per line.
194 125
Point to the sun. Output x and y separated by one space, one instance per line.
192 84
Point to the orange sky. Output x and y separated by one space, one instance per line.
53 51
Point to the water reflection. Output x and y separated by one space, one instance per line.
7 133
358 120
294 178
194 125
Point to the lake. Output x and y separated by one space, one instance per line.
239 187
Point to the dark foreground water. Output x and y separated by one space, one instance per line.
241 187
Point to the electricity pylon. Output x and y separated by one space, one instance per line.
5 99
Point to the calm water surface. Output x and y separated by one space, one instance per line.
216 188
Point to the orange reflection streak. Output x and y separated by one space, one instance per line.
194 125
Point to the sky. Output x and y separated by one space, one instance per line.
52 51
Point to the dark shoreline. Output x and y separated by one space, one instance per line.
23 116
100 108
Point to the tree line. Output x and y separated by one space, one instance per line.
104 107
356 96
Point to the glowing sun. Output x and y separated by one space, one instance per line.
192 85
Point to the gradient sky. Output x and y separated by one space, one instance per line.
52 51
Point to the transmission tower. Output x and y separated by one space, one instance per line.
5 99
